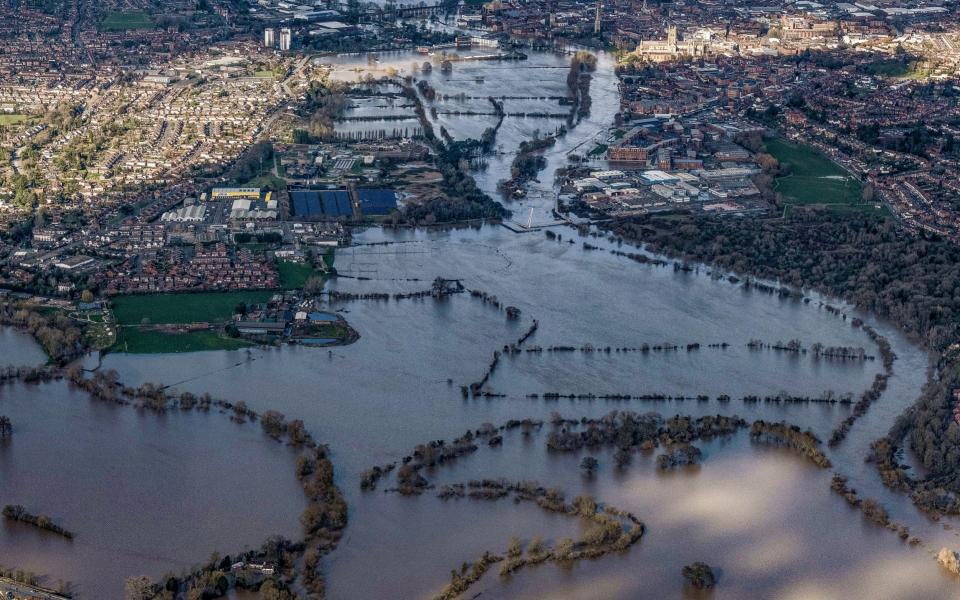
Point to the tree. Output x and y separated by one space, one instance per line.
6 428
589 464
699 575
138 588
86 296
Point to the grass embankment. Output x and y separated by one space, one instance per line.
133 313
139 341
293 276
8 119
203 307
815 180
899 68
120 21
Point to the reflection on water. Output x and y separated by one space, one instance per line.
18 348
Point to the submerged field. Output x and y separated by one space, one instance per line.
814 179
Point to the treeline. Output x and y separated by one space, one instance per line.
871 509
909 278
252 163
790 436
643 348
462 200
213 579
15 512
325 515
931 428
817 349
38 374
867 261
826 397
873 393
528 161
578 83
629 431
61 337
610 530
438 452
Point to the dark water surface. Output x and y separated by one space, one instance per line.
144 494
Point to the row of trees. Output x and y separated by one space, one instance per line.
16 512
61 337
908 278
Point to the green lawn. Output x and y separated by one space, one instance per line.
268 181
6 119
598 150
294 275
137 341
816 180
897 68
329 256
120 21
205 307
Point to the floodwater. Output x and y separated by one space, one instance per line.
398 386
765 519
144 494
18 348
463 108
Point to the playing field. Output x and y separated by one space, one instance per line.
294 275
205 307
6 119
119 21
814 179
133 340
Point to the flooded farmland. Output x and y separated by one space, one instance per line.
766 519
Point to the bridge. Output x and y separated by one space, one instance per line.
11 589
418 12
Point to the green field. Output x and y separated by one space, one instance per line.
120 21
329 257
897 68
268 181
138 341
815 180
294 275
206 307
6 119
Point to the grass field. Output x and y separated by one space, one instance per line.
119 21
206 307
269 181
294 275
6 119
329 257
137 341
898 68
815 180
